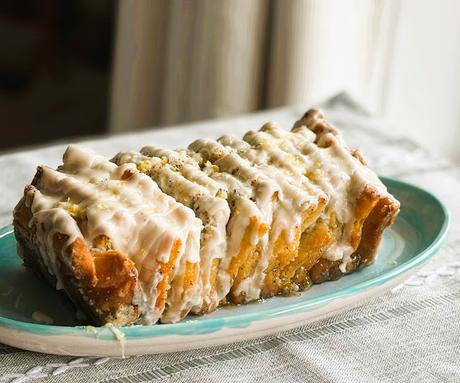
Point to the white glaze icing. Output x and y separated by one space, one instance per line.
283 198
340 175
212 210
297 199
89 196
197 169
329 171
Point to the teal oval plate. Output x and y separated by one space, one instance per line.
416 236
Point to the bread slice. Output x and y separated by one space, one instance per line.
120 248
170 171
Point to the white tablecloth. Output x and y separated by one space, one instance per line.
411 334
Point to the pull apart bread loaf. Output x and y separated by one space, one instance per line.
156 234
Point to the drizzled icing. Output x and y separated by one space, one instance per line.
196 169
296 198
323 158
281 199
211 209
276 176
271 183
89 196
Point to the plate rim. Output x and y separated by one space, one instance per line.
210 325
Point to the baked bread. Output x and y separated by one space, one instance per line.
156 234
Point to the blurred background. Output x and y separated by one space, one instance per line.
78 68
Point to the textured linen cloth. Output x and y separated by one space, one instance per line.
409 334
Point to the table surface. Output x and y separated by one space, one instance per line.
411 333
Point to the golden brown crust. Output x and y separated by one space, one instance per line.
245 262
166 270
366 237
382 215
363 207
373 213
103 284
